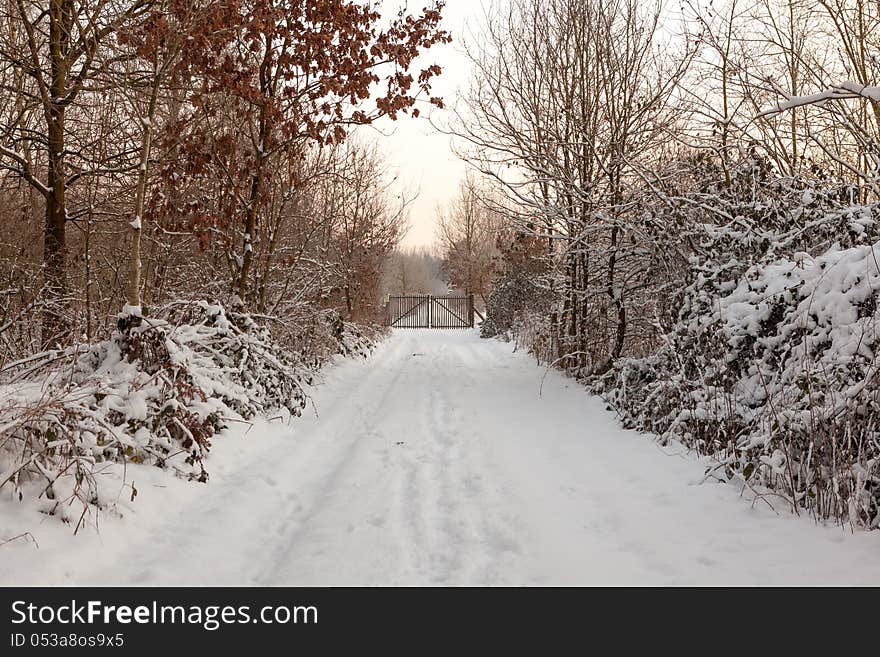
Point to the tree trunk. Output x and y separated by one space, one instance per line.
56 318
617 300
250 229
134 272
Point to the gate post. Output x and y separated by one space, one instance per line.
430 317
471 310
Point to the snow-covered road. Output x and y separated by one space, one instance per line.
438 461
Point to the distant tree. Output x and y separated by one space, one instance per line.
468 229
363 222
413 271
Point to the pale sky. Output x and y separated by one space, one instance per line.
420 156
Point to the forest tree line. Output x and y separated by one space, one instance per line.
690 195
156 150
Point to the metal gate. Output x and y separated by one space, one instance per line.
430 312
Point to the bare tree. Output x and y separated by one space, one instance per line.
571 101
468 229
57 49
363 221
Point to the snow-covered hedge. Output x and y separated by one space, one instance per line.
772 364
157 393
515 300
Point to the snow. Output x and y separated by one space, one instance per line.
843 91
439 461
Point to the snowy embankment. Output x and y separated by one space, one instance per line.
773 369
438 461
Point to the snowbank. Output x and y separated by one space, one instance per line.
74 423
772 369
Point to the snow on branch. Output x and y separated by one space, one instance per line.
844 91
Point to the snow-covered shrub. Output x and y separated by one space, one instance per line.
519 293
316 335
156 393
771 366
512 296
357 339
233 348
58 431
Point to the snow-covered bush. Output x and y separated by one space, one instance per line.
771 366
157 393
519 296
513 296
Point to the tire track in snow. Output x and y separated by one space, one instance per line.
259 498
360 423
453 519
